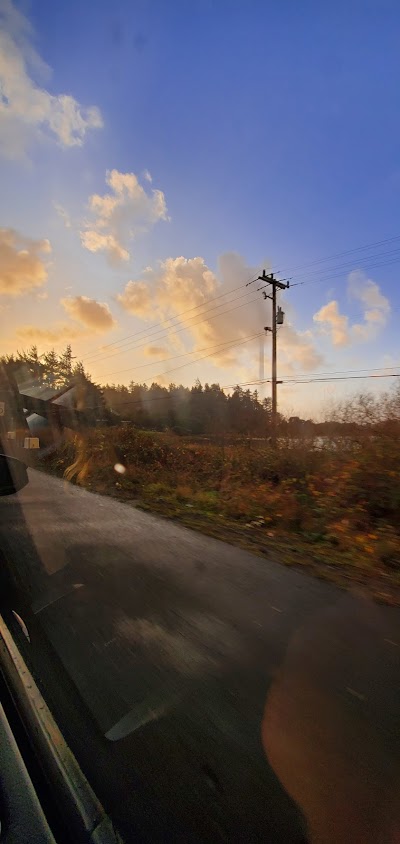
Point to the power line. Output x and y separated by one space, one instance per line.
160 334
175 357
306 379
346 264
332 277
189 363
344 378
350 266
311 380
186 327
341 254
348 371
162 322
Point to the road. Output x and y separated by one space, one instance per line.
209 694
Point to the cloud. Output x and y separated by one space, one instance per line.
62 332
297 350
338 324
368 292
376 311
136 298
93 315
29 112
120 215
22 267
182 287
63 214
96 242
377 306
155 351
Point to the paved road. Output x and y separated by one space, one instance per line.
210 695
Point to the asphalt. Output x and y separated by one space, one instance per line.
209 694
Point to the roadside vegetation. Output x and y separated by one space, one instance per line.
331 504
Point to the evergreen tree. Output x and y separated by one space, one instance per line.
52 368
65 365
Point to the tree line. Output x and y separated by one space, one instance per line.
200 410
197 410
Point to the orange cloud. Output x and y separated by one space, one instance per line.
22 267
155 351
62 332
337 323
92 314
136 298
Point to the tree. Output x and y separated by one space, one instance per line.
51 366
65 365
78 371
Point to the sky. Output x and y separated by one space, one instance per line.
155 157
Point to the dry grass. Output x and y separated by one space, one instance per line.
335 508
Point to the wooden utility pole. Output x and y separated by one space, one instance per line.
277 319
274 396
261 366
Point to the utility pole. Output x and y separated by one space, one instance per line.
277 319
261 367
274 396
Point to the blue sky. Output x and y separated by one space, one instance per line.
270 130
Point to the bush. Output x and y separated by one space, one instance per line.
343 491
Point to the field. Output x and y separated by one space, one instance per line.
331 506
